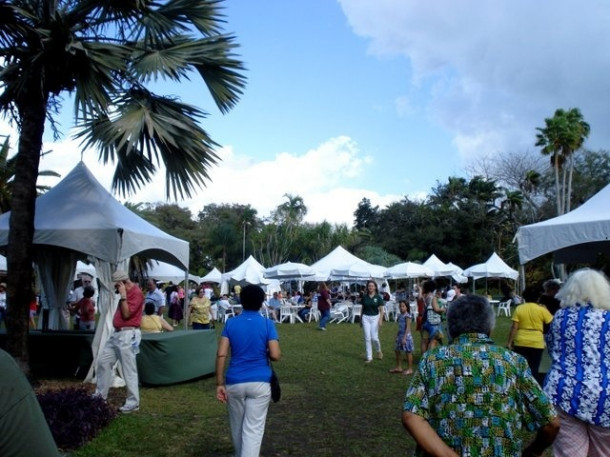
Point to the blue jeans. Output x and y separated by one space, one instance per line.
324 317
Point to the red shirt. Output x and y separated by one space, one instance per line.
86 310
135 302
322 300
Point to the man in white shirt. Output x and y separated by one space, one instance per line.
155 296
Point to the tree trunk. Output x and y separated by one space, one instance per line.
21 225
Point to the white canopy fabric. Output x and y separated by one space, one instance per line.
213 276
290 270
458 276
575 237
408 270
495 267
165 272
359 270
249 272
337 258
78 219
439 267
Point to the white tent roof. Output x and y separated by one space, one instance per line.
495 267
337 258
165 272
290 270
79 214
358 270
408 270
213 276
249 272
439 267
575 237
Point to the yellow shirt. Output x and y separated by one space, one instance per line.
531 318
151 324
200 310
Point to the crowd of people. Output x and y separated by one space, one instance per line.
467 395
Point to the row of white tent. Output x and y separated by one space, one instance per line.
341 265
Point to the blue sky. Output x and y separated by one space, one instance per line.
384 99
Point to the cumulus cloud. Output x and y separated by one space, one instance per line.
321 176
494 70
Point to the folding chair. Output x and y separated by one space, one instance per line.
504 306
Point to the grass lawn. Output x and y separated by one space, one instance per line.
332 404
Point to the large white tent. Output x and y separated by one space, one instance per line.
249 272
408 270
574 237
213 276
161 271
339 265
494 267
79 219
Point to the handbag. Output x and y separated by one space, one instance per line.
276 389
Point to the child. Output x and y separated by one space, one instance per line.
404 339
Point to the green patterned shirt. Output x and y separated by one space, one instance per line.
478 397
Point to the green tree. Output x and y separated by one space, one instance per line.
562 135
7 176
108 55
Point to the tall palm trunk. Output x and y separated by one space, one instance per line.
557 187
21 225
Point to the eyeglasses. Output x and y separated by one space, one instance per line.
86 282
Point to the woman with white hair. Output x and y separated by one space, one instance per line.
578 381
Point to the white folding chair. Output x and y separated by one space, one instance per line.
504 307
286 313
339 313
356 311
314 313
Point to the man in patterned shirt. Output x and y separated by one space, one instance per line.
473 398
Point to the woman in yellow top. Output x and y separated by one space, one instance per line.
151 323
199 310
526 335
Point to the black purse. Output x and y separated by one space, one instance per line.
276 389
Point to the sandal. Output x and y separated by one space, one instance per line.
407 372
395 370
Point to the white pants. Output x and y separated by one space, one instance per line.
248 404
580 439
122 346
370 325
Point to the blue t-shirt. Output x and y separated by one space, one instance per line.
248 335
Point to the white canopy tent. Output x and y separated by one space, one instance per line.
494 267
213 276
165 272
79 219
289 271
249 272
439 267
408 270
341 265
575 237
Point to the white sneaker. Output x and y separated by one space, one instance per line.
129 409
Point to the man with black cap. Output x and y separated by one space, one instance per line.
124 343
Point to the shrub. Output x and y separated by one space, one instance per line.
74 416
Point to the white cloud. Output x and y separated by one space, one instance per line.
496 69
321 176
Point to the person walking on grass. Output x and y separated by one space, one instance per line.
372 319
324 305
251 340
475 398
404 340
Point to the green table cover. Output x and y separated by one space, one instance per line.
172 357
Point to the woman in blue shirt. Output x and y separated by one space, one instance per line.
252 340
577 382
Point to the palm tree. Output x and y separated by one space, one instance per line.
563 134
107 55
7 176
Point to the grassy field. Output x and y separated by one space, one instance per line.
332 404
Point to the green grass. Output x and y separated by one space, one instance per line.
332 404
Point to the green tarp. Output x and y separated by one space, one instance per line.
172 357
